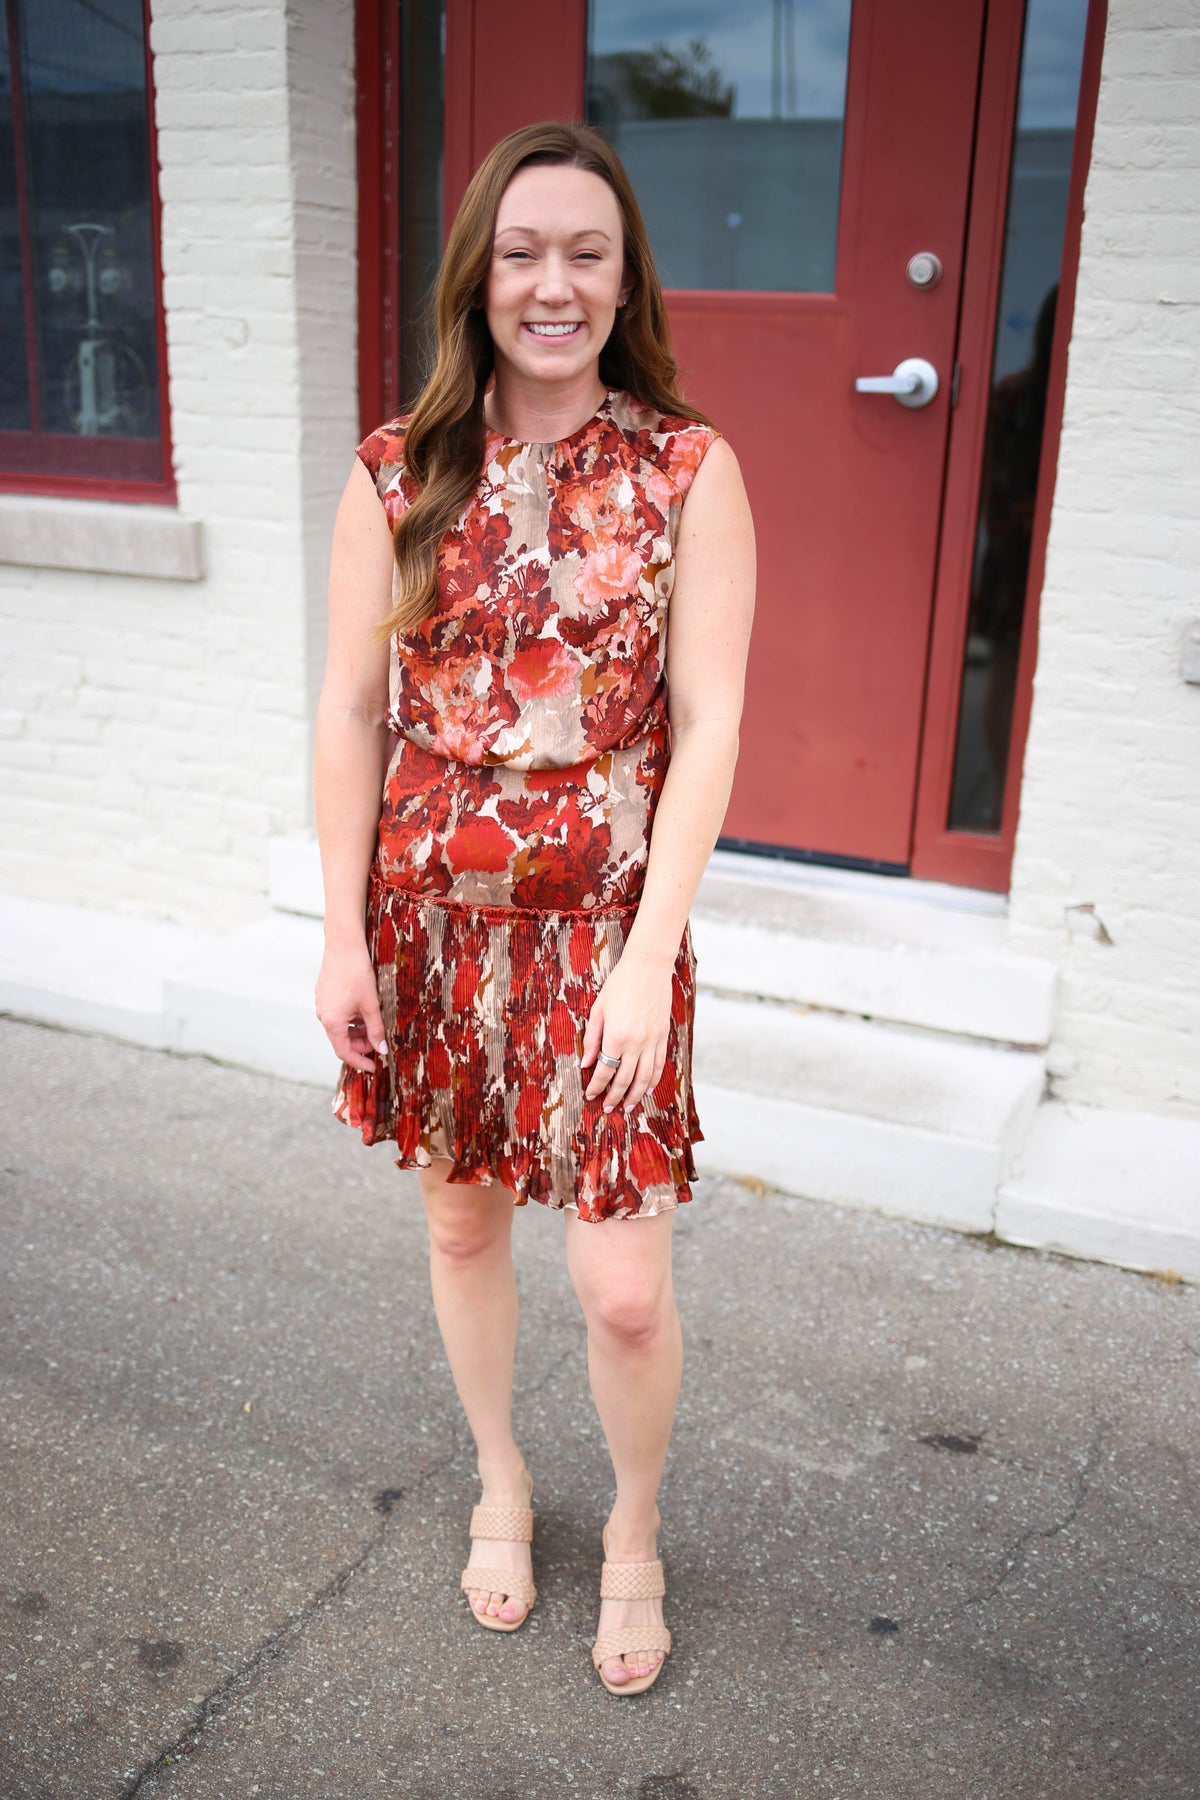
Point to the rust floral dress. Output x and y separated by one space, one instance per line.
530 745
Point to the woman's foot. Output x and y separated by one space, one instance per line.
508 1607
626 1616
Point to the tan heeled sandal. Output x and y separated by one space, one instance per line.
516 1524
630 1581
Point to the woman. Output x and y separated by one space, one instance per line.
515 1014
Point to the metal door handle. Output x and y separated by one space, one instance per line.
913 382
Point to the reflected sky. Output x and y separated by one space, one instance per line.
740 38
1053 58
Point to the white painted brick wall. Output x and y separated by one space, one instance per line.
154 734
1110 802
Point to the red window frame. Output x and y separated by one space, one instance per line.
138 470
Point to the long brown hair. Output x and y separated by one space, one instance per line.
444 439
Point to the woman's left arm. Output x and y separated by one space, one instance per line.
708 633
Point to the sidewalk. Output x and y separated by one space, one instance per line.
930 1518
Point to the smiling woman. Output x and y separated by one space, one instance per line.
519 782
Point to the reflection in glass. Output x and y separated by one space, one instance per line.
86 151
729 121
422 63
1037 205
14 383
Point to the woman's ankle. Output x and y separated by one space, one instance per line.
505 1473
632 1532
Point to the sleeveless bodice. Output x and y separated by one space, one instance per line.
530 708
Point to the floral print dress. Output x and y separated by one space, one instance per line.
530 745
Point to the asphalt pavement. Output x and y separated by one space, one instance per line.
931 1514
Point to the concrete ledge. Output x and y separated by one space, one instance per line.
902 1122
1110 1186
947 1087
45 532
912 953
847 1158
247 999
88 971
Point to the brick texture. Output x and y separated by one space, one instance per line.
1109 839
156 734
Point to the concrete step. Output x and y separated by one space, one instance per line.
872 1115
865 1111
248 998
874 947
243 997
88 971
1111 1186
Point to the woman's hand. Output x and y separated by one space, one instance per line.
348 1005
630 1019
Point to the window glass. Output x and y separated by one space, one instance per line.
1051 63
423 82
14 386
77 216
729 120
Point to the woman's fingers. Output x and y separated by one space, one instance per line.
347 1003
349 1040
354 1026
627 1084
592 1036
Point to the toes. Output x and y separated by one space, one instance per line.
616 1672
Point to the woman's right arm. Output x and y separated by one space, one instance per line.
350 763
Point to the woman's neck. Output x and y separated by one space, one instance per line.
536 413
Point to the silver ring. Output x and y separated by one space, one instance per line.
610 1062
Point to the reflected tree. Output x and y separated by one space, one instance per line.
662 83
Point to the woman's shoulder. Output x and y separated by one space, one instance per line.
674 442
382 450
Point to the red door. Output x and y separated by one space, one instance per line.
793 272
845 487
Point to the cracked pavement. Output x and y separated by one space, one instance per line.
931 1512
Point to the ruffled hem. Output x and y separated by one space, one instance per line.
485 1009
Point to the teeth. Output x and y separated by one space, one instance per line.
555 330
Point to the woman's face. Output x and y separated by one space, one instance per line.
557 260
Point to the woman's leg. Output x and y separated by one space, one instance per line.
621 1271
475 1299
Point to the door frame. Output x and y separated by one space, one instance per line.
977 859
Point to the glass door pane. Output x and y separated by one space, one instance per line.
1051 62
730 122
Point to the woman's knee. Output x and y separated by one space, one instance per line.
634 1314
465 1223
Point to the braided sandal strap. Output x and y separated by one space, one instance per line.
612 1644
632 1581
512 1522
499 1581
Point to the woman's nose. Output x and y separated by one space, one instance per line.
554 282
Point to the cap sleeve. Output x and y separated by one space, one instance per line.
687 444
382 455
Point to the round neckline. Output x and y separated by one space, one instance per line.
555 443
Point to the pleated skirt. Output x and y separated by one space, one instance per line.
485 1009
